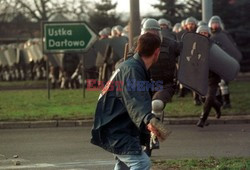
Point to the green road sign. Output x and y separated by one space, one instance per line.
67 36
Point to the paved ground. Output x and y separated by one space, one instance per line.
69 148
240 119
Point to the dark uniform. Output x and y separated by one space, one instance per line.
211 101
165 69
168 34
224 95
70 63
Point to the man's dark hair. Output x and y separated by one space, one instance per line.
147 43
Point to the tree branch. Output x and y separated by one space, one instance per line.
32 12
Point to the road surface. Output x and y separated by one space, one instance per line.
69 148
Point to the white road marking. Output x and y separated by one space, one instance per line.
74 165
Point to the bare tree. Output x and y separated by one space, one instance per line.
176 10
42 10
104 15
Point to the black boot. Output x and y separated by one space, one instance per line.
226 101
182 92
201 123
219 98
217 107
197 100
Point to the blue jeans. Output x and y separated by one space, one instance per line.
132 162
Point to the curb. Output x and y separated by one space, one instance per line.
212 120
45 124
88 123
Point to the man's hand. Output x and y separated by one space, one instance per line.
158 129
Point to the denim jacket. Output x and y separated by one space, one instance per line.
123 109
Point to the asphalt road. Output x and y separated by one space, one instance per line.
69 148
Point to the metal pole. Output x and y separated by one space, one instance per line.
207 10
134 21
47 74
83 76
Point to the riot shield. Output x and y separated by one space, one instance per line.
37 52
22 55
56 60
34 50
227 45
90 58
118 46
18 55
37 46
30 51
10 55
100 48
3 60
26 56
193 63
101 45
223 64
180 34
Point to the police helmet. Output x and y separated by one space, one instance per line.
163 21
177 27
203 28
107 30
143 21
191 20
114 32
151 25
201 23
119 29
215 19
183 23
102 33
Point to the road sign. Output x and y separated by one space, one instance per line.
67 36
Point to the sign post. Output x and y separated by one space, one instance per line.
60 37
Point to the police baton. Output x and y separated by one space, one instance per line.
125 52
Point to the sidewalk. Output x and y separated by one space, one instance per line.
243 77
242 119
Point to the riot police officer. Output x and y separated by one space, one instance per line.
182 31
163 71
166 28
225 41
177 28
213 80
70 63
191 24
